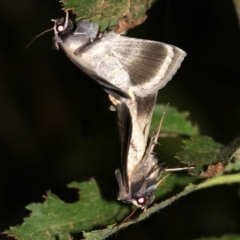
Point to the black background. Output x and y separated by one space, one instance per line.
55 126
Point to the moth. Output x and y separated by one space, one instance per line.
140 173
132 71
125 67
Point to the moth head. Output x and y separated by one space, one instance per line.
73 34
138 191
141 199
142 191
144 201
61 27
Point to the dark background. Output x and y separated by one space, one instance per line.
55 126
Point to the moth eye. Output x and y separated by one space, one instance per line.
142 201
60 28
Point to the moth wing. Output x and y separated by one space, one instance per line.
125 134
86 66
88 28
126 129
150 64
145 107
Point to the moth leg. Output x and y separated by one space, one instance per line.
108 26
114 101
103 34
131 94
161 180
112 108
126 219
90 41
81 49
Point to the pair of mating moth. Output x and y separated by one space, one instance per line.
131 71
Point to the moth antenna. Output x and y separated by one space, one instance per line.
160 125
39 36
172 170
177 169
161 180
153 140
65 25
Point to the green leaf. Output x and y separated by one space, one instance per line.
104 233
108 9
235 166
173 182
174 122
227 153
55 218
199 151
